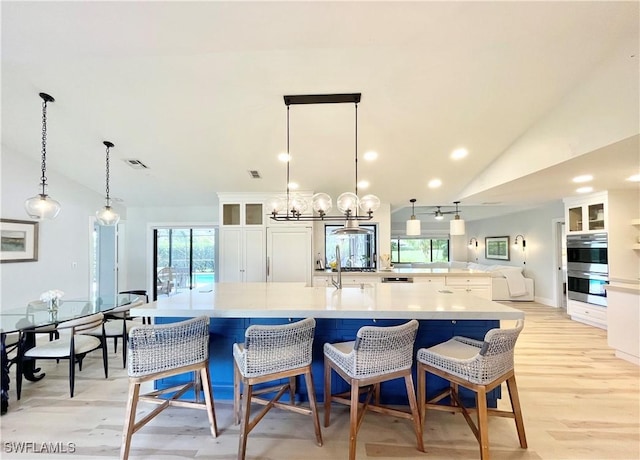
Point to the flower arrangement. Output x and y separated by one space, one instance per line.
52 298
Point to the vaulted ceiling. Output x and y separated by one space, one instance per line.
194 90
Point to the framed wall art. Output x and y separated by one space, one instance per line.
18 241
496 247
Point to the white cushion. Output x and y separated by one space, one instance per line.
454 349
111 328
60 348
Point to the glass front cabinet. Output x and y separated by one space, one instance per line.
586 214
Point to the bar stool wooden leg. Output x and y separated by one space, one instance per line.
422 392
327 392
244 426
292 390
205 378
314 405
517 411
353 418
129 422
483 426
236 395
417 424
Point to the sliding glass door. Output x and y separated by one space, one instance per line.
184 258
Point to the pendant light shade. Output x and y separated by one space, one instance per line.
42 206
413 224
107 216
456 225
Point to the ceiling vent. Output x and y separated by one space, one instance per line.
135 164
254 174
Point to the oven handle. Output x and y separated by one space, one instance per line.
587 275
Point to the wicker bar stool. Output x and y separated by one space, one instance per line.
271 353
479 366
159 351
378 354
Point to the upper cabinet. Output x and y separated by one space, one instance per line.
586 214
242 213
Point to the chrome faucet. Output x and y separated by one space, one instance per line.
337 284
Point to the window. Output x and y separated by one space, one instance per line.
419 250
356 251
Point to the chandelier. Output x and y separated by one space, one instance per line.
42 206
293 207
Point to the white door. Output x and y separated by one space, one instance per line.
289 252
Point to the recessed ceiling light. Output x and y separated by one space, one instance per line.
458 154
293 186
370 155
634 178
363 184
284 157
435 183
584 190
583 178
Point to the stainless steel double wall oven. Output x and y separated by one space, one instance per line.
587 268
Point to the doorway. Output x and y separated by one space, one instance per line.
183 259
560 243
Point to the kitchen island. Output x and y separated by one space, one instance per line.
339 313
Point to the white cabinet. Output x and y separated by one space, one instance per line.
587 313
242 255
435 282
586 214
289 254
478 286
242 251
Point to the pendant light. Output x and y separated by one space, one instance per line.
42 206
293 207
413 224
456 226
107 216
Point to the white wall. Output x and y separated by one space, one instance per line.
62 242
537 227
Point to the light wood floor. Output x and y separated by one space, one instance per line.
579 402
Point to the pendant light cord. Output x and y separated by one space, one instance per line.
288 159
356 146
43 179
107 176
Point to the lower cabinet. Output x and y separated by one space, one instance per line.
436 282
593 315
479 286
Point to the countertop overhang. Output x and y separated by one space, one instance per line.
409 272
287 300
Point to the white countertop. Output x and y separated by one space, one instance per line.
409 272
283 300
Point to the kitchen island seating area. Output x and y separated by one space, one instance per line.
268 354
158 352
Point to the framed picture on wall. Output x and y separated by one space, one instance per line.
18 241
496 247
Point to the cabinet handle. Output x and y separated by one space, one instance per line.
267 267
453 321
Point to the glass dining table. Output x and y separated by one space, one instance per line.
20 326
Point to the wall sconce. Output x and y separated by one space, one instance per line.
524 242
473 244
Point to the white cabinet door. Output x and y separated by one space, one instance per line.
230 255
254 255
242 255
289 254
